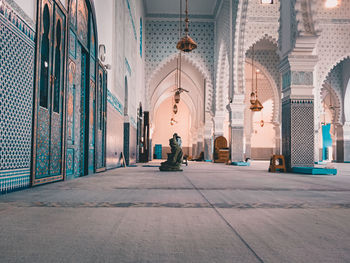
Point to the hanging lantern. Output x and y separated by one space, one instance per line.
262 123
255 103
172 121
186 44
177 97
257 106
175 109
252 98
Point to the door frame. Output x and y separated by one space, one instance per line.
55 4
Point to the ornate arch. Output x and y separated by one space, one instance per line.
337 94
198 64
239 78
222 78
323 75
275 90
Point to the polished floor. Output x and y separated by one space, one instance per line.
208 213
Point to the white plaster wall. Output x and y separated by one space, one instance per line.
346 89
28 7
163 130
285 28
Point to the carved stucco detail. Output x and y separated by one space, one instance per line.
196 61
249 32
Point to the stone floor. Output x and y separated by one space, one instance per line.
208 213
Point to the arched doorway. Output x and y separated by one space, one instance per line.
333 123
262 128
166 123
195 79
186 122
69 119
49 125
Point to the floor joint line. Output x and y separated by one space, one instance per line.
226 222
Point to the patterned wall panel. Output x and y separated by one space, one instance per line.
16 95
268 59
162 36
298 132
286 131
74 110
302 133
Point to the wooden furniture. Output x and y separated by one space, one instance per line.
277 162
221 152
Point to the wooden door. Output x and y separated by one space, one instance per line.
48 131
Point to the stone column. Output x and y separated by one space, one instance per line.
298 138
200 141
236 109
346 136
338 143
208 138
277 128
194 143
219 120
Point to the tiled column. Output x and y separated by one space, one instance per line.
298 136
236 109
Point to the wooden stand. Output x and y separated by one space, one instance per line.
123 159
281 163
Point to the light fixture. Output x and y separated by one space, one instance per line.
331 3
177 97
186 43
102 52
257 106
175 109
172 121
267 1
255 103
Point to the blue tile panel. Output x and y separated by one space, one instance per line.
128 66
15 20
16 100
115 102
12 180
132 19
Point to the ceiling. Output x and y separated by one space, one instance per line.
170 8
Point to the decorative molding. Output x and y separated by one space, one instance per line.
13 180
131 19
301 78
115 103
16 20
128 68
193 17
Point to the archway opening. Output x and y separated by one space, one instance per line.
189 120
262 128
166 124
333 113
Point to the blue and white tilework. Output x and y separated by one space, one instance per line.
16 100
162 37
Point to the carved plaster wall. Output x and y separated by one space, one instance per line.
255 21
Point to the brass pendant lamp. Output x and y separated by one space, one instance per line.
255 103
186 43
